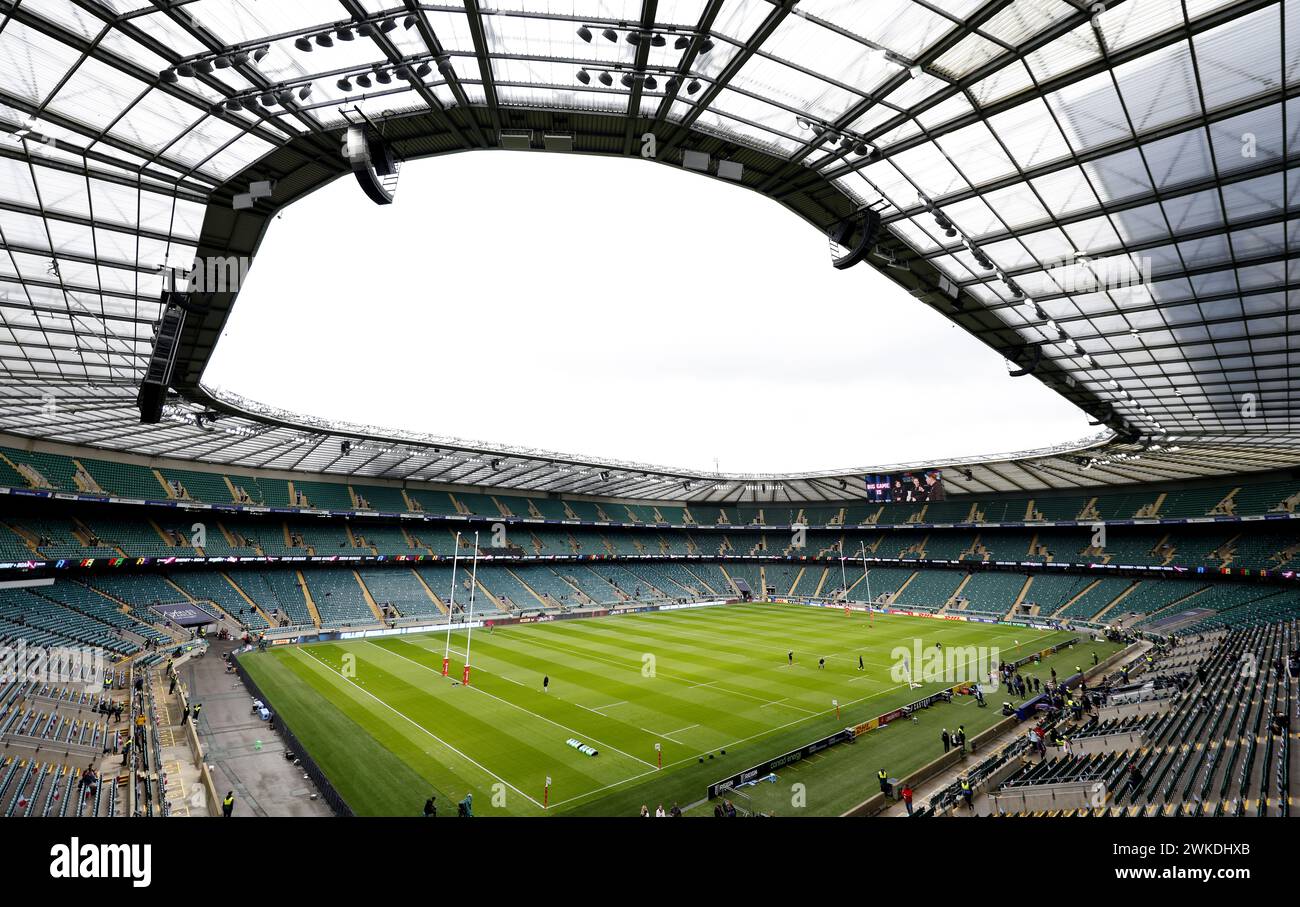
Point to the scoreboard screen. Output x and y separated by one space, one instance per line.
919 487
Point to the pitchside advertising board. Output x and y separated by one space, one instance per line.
763 769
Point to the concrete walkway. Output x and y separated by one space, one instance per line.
244 754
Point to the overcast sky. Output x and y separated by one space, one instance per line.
612 308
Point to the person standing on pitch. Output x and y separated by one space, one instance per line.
228 804
546 682
947 740
821 664
790 658
861 666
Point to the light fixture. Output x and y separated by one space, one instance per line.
651 83
673 83
610 35
221 62
304 93
682 42
384 76
267 99
168 76
304 44
257 54
692 86
633 38
284 96
364 80
409 22
606 79
626 81
584 77
203 66
234 104
387 25
423 70
585 34
186 70
344 84
706 47
344 33
324 40
658 41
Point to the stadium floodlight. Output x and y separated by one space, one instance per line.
658 41
324 40
706 47
606 79
682 42
409 22
585 34
203 67
384 76
257 54
285 96
610 35
364 80
346 447
634 38
186 70
387 25
303 44
423 70
627 80
584 77
673 83
693 86
221 62
234 104
651 83
267 99
344 33
168 76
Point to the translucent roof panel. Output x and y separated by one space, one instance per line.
1105 189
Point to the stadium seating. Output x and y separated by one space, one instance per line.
102 474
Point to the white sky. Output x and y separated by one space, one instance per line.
612 308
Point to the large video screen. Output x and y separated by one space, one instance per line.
919 487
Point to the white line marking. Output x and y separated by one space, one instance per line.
417 724
563 727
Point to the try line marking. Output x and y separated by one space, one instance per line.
514 705
417 724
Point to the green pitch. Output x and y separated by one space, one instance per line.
388 729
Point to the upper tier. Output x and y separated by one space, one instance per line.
36 470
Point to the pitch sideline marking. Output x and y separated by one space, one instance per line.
417 724
515 705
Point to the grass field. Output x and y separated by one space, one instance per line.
388 729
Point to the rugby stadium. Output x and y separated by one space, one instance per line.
211 605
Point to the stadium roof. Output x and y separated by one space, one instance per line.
1102 196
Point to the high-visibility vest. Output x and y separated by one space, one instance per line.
965 786
228 802
882 776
